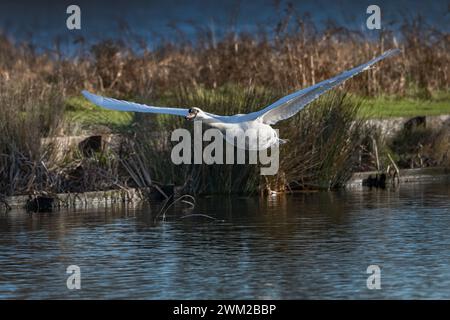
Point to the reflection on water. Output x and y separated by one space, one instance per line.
315 245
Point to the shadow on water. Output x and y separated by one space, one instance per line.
315 245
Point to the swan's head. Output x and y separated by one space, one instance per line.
195 114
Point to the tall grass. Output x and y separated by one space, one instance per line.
324 143
29 111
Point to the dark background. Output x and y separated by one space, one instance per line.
42 21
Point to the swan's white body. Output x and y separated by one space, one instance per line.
264 135
259 121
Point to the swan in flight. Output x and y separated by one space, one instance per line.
258 121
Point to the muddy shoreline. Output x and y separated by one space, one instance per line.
92 199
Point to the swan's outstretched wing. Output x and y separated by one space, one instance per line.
121 105
289 105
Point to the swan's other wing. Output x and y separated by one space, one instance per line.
289 105
122 105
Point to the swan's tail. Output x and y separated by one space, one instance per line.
282 141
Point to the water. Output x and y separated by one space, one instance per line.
315 245
42 22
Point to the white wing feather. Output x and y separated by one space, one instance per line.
289 105
120 105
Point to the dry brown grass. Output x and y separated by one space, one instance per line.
28 112
293 58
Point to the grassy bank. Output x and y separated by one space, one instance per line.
84 115
385 107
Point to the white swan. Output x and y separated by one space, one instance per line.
259 121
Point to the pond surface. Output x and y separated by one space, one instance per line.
315 245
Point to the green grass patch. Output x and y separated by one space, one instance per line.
385 107
81 111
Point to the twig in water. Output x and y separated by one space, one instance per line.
164 209
7 206
397 171
199 215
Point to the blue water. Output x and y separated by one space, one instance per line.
41 22
316 245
